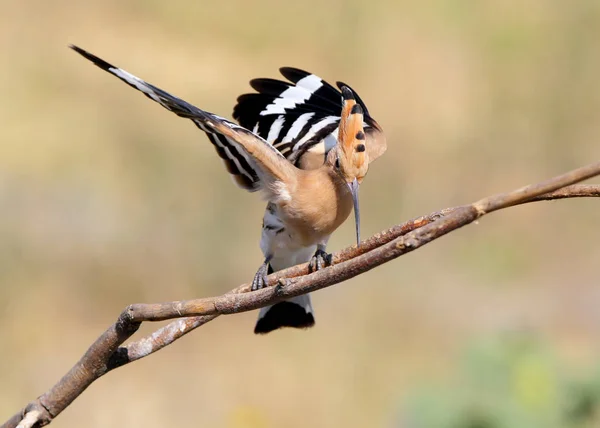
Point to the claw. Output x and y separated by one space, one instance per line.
260 278
319 260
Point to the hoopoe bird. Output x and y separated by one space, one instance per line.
307 147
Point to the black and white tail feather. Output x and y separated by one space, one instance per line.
298 121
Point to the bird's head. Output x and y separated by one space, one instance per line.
351 158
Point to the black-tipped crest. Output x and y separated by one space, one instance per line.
347 93
356 109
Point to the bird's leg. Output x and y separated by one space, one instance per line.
320 259
260 278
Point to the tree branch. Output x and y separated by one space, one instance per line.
106 353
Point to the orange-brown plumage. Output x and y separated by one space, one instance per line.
352 152
319 204
310 195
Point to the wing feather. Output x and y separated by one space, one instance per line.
300 117
254 163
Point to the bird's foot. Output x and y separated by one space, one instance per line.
321 259
260 278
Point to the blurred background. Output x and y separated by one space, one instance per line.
106 199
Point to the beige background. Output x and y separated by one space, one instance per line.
106 199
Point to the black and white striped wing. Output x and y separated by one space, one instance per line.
245 169
300 116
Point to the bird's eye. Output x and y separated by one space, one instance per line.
337 163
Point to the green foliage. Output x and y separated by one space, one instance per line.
509 382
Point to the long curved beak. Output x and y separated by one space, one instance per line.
354 191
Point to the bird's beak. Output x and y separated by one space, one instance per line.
354 190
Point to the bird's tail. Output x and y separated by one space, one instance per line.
296 312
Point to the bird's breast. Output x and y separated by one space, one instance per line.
319 205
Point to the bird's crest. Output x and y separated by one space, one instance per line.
352 154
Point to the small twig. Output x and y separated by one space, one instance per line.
106 354
574 191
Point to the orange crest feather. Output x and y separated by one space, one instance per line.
352 139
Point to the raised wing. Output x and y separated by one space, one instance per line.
301 117
254 164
